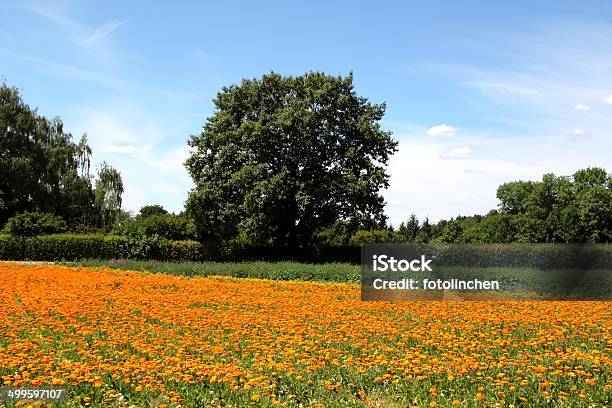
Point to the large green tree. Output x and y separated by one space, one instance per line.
284 157
41 167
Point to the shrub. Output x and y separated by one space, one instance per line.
167 226
28 224
71 247
12 248
338 234
59 247
156 247
372 236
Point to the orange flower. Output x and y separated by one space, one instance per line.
91 330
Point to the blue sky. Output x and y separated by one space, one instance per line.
478 92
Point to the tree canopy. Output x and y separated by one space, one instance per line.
560 209
284 157
152 209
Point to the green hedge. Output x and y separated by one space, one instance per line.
71 247
74 247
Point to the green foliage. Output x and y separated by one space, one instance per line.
168 226
28 224
426 232
283 158
285 162
71 247
505 259
451 232
43 169
58 247
561 209
40 166
341 232
408 231
338 234
362 237
149 210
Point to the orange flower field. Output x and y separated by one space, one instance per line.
115 338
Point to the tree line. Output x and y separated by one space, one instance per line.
284 162
558 209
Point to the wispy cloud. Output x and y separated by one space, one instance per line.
53 68
61 70
508 88
607 99
103 31
87 37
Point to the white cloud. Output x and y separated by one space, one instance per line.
457 153
607 99
442 130
579 134
127 149
583 107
